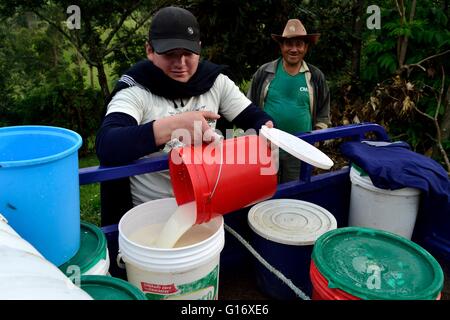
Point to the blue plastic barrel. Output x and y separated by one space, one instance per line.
284 233
39 188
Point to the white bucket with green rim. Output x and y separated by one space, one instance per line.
190 272
390 210
92 258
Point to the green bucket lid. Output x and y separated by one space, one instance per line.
110 288
375 264
92 248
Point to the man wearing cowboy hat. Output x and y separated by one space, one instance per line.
294 93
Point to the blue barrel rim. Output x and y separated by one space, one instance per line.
57 131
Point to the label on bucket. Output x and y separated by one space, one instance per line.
202 289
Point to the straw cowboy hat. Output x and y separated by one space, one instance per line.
295 29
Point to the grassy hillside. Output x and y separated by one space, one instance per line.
90 194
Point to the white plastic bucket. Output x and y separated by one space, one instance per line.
100 268
384 209
92 258
188 273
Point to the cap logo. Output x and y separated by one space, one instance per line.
190 30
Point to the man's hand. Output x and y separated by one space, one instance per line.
269 124
190 126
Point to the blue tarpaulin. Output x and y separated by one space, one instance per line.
392 165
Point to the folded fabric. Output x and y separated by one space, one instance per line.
394 166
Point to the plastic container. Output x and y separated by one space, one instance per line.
26 275
196 180
92 258
16 262
11 239
39 188
390 210
285 231
39 288
109 288
234 173
370 264
189 273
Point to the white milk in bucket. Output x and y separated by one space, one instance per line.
178 224
188 271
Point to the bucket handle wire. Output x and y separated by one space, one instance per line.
119 261
220 170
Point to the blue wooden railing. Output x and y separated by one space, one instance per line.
157 163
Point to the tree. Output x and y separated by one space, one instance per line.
357 11
39 84
106 26
237 33
413 58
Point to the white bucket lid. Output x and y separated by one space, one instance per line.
290 221
297 147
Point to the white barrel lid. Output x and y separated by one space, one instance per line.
290 221
297 147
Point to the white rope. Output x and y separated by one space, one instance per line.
277 273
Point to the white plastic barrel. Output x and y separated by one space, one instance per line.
190 272
384 209
26 275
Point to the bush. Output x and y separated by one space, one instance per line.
62 105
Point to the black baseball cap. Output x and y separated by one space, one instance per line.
174 28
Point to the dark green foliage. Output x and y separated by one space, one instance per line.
40 85
237 33
43 73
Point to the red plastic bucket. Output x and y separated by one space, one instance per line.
225 177
369 264
321 291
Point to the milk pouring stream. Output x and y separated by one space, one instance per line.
178 231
